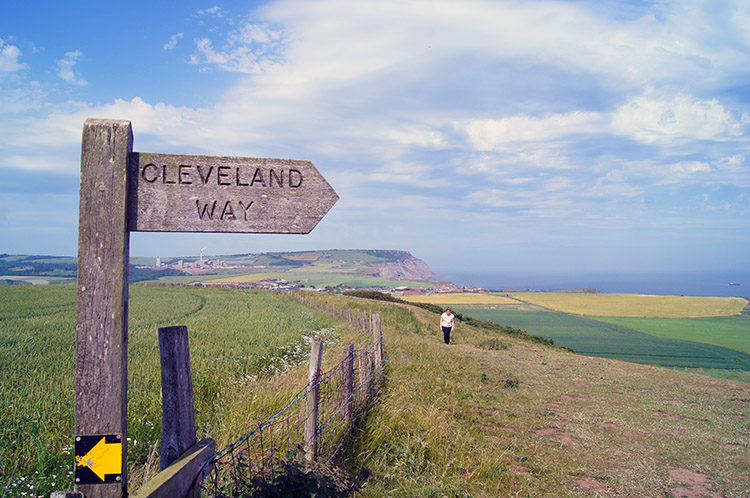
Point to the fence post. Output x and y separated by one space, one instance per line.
313 395
347 381
365 366
377 335
178 412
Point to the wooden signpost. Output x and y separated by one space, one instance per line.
181 193
124 191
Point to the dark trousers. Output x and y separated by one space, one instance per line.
446 334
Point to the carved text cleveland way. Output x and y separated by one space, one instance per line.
171 192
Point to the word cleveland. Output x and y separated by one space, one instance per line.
186 174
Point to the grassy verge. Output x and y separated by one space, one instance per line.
524 419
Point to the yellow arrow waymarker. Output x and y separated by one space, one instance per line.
104 458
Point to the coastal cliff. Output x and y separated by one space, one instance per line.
404 266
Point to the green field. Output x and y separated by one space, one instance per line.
727 331
236 337
593 337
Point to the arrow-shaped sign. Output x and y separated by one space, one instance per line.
104 459
186 193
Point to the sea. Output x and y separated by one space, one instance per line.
722 283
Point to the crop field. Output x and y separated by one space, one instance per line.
675 331
636 305
237 338
727 331
457 299
593 337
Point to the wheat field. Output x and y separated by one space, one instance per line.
636 305
456 299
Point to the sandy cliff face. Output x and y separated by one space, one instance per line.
406 268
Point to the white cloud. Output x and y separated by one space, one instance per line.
21 99
214 11
172 43
53 142
9 55
733 163
688 168
678 120
488 134
65 66
252 49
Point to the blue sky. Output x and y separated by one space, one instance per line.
507 136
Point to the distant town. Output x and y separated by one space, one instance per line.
206 266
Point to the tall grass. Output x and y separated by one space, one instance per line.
238 340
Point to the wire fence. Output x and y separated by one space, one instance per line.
341 396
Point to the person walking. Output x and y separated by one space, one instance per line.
446 323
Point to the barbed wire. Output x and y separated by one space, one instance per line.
256 454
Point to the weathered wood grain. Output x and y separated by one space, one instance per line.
347 381
102 302
187 193
182 479
313 396
178 412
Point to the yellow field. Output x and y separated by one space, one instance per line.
636 305
457 299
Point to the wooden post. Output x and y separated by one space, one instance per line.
347 381
102 303
178 412
377 337
365 368
313 395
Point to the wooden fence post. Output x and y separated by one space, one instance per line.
313 395
178 412
377 336
101 383
365 367
347 381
